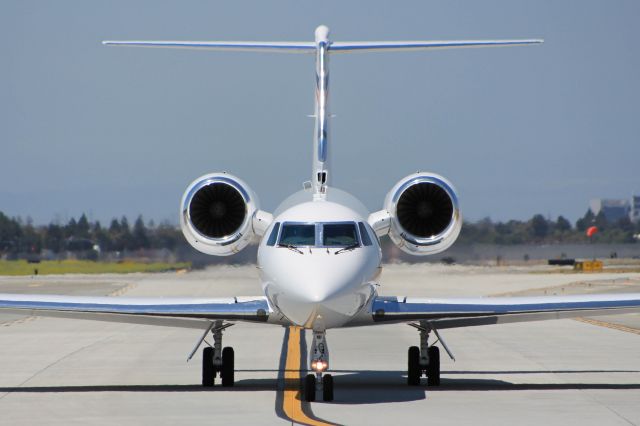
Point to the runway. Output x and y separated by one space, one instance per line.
56 371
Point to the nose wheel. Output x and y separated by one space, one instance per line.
319 364
310 388
327 387
311 385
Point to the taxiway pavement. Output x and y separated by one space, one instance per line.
65 372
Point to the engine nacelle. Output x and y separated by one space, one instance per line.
217 213
423 214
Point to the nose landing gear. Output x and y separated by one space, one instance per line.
319 363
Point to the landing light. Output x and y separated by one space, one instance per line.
319 365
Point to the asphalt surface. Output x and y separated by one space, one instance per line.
65 372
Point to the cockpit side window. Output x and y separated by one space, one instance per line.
366 239
274 235
339 235
298 234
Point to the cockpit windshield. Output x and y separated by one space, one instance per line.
297 235
339 235
336 234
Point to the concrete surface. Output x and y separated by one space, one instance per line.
64 372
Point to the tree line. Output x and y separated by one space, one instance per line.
20 236
541 230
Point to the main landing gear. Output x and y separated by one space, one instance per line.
217 360
319 364
425 359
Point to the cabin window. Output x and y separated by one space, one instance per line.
298 234
339 234
274 235
364 235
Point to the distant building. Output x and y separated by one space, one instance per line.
635 208
613 210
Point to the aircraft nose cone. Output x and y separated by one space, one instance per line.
318 293
318 286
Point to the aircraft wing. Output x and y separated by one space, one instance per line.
171 312
466 312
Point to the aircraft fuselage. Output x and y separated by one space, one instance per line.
319 262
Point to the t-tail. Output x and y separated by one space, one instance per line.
322 48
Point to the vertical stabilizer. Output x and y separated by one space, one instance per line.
322 47
320 171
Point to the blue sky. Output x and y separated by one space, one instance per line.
113 131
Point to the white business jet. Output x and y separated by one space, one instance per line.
319 255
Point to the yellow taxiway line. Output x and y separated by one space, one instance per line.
292 401
609 325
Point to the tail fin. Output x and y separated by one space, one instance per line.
322 47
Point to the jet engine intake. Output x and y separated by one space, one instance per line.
216 214
424 214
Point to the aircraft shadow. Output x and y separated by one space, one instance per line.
500 385
251 385
362 386
498 372
461 372
372 387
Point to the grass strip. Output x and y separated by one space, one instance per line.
51 267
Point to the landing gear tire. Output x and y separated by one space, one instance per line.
228 368
433 369
327 387
413 367
310 388
208 372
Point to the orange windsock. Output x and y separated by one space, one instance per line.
591 230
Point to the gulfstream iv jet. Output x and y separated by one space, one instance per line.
319 253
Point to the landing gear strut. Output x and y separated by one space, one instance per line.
218 360
425 359
319 363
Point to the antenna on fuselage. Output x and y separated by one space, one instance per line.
321 47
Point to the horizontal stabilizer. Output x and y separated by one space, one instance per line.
310 47
251 46
378 46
